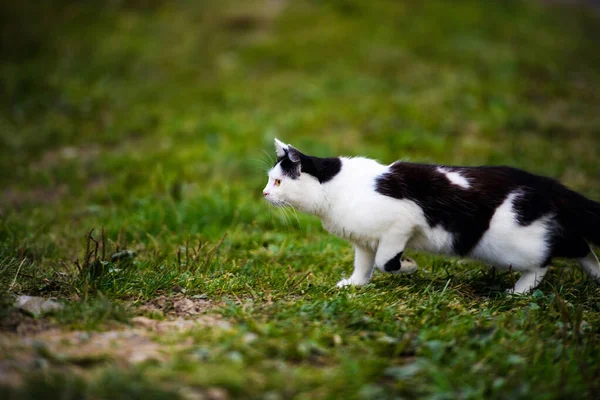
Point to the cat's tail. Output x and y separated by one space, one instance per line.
581 215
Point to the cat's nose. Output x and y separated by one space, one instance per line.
266 193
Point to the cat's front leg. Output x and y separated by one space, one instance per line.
364 259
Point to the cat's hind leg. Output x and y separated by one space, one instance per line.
389 252
364 259
407 266
529 280
591 266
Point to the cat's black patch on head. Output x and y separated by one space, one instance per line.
393 264
289 168
324 169
466 212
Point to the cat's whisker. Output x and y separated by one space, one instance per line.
285 213
267 161
280 216
262 164
280 213
294 213
284 220
269 157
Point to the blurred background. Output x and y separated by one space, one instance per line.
101 99
153 122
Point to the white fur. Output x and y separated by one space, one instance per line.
280 148
380 226
455 178
591 266
506 244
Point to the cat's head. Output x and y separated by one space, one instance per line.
297 179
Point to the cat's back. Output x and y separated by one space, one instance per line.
431 182
356 178
359 167
464 200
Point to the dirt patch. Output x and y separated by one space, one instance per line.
142 342
180 324
178 306
180 313
126 346
78 351
27 342
18 323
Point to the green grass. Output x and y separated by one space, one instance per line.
148 122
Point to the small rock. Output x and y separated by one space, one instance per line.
37 306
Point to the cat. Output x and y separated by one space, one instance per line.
500 215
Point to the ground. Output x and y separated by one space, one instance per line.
134 140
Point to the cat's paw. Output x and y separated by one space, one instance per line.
351 282
517 293
407 266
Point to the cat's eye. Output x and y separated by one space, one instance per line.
277 182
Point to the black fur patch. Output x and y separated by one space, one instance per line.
324 169
466 212
289 168
394 263
578 221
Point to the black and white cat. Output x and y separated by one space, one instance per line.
503 216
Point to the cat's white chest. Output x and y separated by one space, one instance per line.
351 233
354 209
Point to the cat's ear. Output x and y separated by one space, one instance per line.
293 154
280 148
